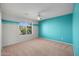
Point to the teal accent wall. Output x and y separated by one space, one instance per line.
76 29
57 28
13 22
35 25
9 22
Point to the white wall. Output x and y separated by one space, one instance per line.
11 34
0 32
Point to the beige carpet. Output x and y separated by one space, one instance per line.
38 47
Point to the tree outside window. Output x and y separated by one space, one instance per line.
25 28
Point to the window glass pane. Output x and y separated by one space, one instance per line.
25 28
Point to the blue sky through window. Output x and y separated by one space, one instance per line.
24 24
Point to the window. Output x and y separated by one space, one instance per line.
25 28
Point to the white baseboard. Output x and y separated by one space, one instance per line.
60 42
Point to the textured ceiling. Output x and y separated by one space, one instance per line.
24 11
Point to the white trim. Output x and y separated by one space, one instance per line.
60 42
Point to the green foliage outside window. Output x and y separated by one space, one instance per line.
22 30
25 30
